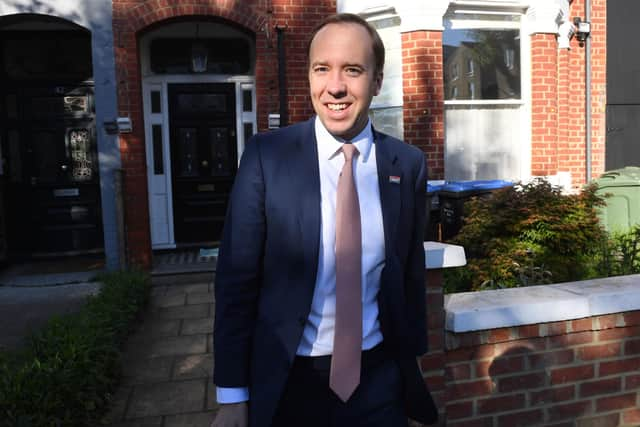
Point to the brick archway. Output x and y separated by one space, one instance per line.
131 18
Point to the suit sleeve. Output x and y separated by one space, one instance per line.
415 277
239 272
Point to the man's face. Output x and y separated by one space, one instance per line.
343 78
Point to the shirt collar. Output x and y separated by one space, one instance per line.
329 145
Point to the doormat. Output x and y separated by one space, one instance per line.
208 252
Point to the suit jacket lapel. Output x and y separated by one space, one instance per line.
389 176
305 194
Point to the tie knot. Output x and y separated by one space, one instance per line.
349 150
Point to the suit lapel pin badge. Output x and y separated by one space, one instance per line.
394 179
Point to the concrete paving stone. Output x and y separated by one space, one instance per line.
168 300
117 405
138 346
174 346
197 326
144 371
210 343
169 398
202 419
193 288
200 298
198 366
184 312
156 327
141 422
158 290
211 403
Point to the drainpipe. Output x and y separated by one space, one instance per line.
587 82
282 78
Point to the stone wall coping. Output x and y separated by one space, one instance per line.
476 311
443 255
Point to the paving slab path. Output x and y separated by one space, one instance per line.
168 360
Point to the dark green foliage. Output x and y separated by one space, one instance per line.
529 234
620 254
66 373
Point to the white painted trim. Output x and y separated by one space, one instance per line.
443 255
476 311
525 94
163 82
484 102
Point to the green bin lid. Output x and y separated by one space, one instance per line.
627 176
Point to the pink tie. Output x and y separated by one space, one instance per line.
347 342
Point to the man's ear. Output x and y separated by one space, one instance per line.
378 83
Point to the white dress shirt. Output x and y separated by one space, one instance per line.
317 337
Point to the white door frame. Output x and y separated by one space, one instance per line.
159 186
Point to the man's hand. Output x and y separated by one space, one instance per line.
232 415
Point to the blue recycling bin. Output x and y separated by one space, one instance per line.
454 194
432 225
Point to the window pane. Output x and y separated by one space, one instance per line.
82 163
388 120
482 142
489 60
247 100
158 168
155 102
223 56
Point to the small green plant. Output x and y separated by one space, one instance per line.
620 254
528 234
66 373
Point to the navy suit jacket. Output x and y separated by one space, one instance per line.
268 260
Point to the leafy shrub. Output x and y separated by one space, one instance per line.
528 234
67 371
620 254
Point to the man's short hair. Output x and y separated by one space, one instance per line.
349 18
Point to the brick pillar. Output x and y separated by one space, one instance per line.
433 362
544 104
423 99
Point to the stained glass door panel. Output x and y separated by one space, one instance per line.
53 184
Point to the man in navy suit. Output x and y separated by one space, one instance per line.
276 275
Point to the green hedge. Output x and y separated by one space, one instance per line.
68 370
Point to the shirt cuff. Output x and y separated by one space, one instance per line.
232 394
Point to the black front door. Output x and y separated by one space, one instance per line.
203 158
51 175
623 87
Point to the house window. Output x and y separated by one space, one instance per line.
386 108
485 115
494 52
455 71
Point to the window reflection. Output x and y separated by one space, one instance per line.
490 60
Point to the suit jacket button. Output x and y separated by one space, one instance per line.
302 320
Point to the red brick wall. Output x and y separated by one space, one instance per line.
133 17
556 373
558 100
544 104
423 96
